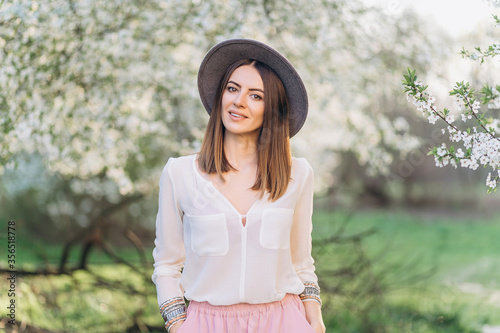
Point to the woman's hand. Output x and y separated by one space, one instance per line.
175 327
314 316
319 327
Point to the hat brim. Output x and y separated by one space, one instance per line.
226 53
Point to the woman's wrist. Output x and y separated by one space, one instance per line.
311 292
173 311
175 327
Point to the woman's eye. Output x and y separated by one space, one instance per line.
257 97
231 89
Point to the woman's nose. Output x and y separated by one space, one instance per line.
239 100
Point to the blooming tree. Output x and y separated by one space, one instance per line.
475 138
105 91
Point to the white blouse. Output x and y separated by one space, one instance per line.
223 261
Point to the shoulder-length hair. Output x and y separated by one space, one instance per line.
273 145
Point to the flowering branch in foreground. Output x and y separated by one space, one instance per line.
480 143
479 54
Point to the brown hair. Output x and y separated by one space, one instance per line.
273 146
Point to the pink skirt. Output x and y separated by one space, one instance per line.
285 316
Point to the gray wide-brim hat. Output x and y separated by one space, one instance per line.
226 53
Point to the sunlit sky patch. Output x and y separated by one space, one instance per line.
456 17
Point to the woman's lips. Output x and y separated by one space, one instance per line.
236 116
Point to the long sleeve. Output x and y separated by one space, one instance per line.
301 240
169 253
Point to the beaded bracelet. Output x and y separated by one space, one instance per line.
173 311
311 291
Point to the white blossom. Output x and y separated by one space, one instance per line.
484 160
459 104
456 137
453 163
491 183
473 164
441 152
438 162
432 118
494 103
476 106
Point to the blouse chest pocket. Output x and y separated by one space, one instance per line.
209 236
276 228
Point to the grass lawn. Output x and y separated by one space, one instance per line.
439 274
416 273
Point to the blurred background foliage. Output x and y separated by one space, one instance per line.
95 96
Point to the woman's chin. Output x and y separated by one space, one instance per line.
240 131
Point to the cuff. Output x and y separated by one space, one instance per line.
173 311
311 292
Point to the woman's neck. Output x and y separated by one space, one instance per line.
240 150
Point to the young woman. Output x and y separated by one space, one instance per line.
233 230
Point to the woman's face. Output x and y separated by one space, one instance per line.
243 102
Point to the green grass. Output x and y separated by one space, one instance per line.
82 303
420 273
439 274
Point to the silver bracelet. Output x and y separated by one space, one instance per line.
174 313
311 291
172 307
